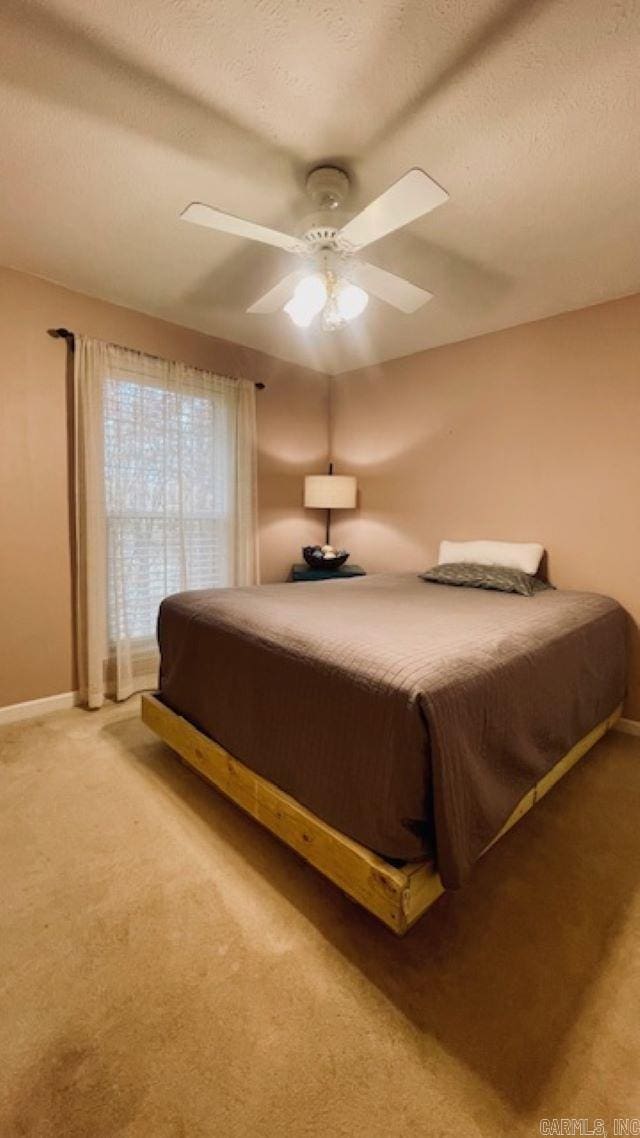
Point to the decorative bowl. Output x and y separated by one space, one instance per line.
315 558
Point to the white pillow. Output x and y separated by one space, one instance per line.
524 555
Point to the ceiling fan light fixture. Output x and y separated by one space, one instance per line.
338 299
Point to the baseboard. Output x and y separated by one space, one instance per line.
14 712
35 707
628 726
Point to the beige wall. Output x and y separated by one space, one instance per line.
36 642
528 434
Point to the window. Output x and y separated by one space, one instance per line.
166 501
169 506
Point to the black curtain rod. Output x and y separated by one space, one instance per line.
65 334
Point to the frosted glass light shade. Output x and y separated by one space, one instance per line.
351 301
330 491
309 297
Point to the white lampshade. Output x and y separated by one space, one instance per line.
330 491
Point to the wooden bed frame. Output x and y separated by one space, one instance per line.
397 896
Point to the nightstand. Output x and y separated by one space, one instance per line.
302 572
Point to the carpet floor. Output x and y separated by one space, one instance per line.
167 968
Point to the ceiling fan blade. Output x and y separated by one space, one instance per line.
413 195
277 296
201 214
386 286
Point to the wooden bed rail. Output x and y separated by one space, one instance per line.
398 896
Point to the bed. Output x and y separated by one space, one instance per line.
387 728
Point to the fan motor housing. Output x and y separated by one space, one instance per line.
327 186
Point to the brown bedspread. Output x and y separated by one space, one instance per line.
409 715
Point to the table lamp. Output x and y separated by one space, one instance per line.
330 492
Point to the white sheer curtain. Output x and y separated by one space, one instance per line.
165 501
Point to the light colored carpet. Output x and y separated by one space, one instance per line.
169 969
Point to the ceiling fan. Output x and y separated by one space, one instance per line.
331 278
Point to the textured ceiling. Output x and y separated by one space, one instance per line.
115 115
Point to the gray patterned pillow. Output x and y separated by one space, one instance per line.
486 577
